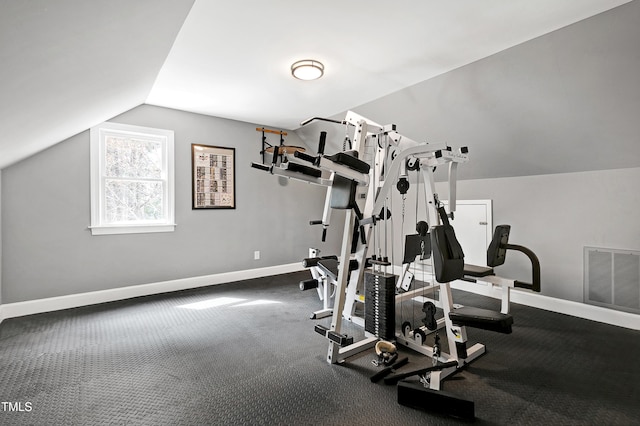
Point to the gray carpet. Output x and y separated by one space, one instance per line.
243 360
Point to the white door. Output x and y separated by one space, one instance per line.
473 227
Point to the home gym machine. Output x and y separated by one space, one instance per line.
360 181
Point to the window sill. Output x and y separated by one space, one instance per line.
133 229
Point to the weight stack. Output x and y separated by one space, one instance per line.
380 306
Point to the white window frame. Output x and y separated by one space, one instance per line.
97 153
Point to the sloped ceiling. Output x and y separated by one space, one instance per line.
70 64
568 101
67 65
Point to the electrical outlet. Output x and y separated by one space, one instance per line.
256 255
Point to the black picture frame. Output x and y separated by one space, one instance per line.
213 177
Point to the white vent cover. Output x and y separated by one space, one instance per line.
612 278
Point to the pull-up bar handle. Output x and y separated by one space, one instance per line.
277 132
309 120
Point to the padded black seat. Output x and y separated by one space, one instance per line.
330 267
477 271
350 161
482 318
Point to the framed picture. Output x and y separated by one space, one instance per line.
213 177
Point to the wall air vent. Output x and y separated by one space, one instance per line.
612 278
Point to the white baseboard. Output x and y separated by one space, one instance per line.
567 307
18 309
580 310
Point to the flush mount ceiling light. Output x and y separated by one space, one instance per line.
307 69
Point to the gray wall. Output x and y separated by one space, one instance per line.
49 250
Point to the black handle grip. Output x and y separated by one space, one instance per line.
323 139
388 370
315 222
324 234
275 155
261 166
305 157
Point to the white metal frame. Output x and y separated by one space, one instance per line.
430 156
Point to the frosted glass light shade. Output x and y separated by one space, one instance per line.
307 69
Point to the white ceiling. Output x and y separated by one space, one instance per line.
232 59
70 64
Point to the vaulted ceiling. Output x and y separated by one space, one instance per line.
70 64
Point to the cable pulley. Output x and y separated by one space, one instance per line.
403 185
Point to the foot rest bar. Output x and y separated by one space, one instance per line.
340 339
482 318
308 262
308 284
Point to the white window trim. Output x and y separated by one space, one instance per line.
97 166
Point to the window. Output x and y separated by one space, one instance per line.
132 179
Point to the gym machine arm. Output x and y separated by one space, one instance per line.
535 268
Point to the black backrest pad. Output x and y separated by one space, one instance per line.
350 161
496 253
448 257
343 193
416 245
